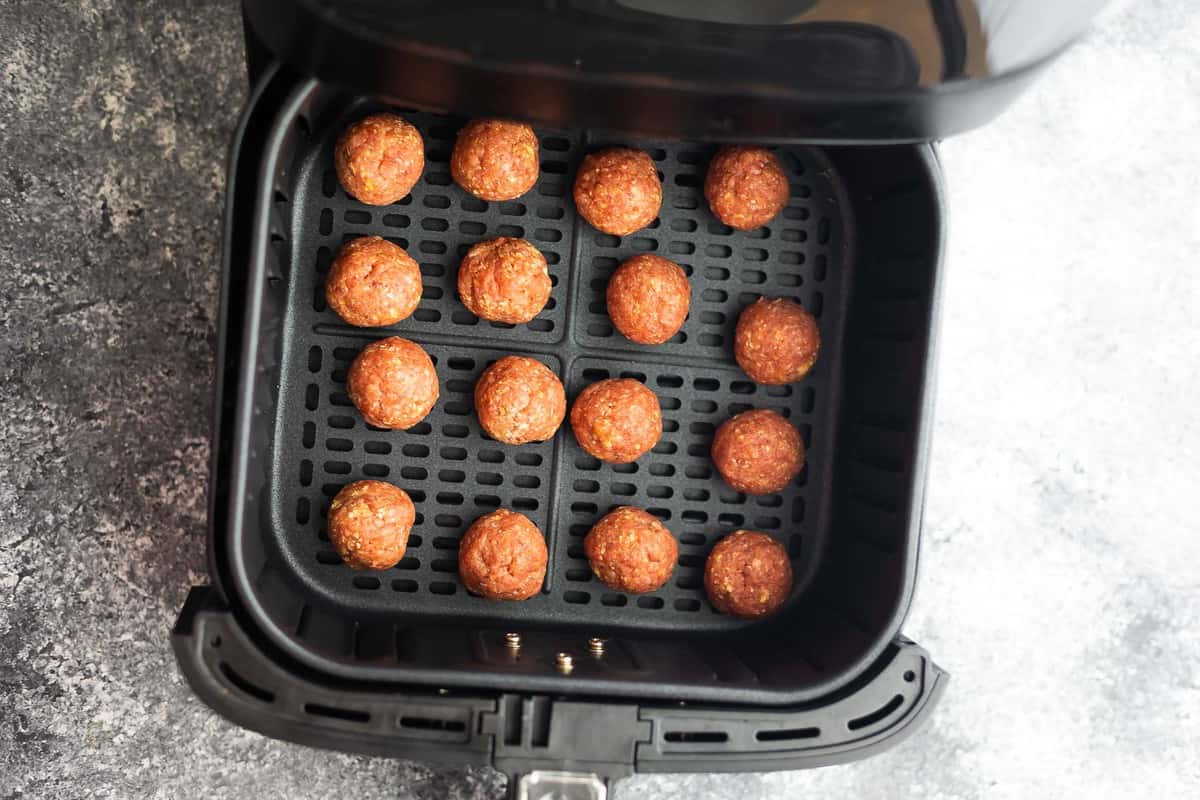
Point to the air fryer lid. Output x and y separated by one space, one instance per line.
817 70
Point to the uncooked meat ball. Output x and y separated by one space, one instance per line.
504 280
617 420
373 282
379 159
369 523
618 191
393 384
502 556
631 551
745 186
748 574
495 159
776 341
648 299
520 400
758 452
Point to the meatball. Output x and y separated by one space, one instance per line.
631 551
648 299
618 191
745 187
494 159
373 282
617 420
393 384
502 556
748 574
369 523
758 452
776 341
520 400
379 159
504 280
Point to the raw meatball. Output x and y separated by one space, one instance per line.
495 159
648 299
758 452
745 187
373 282
379 159
776 341
631 551
618 190
617 420
748 574
504 280
369 523
519 400
502 556
393 384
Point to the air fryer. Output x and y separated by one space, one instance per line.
582 685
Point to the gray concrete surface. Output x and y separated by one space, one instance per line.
1060 577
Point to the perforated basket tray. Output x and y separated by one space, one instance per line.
455 472
298 439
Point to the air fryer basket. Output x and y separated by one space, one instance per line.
294 646
850 522
455 473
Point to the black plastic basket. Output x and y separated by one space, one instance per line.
404 662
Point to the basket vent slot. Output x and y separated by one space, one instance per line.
246 686
787 734
433 724
876 715
333 712
696 737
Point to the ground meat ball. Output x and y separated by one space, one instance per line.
373 282
776 341
648 299
745 187
618 190
758 452
495 159
504 280
369 523
617 420
519 400
392 383
631 551
748 574
379 159
502 556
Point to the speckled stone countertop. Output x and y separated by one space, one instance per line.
1060 568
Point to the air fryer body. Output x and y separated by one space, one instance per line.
288 642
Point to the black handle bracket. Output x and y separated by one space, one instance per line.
586 743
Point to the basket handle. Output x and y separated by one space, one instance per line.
548 746
264 693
